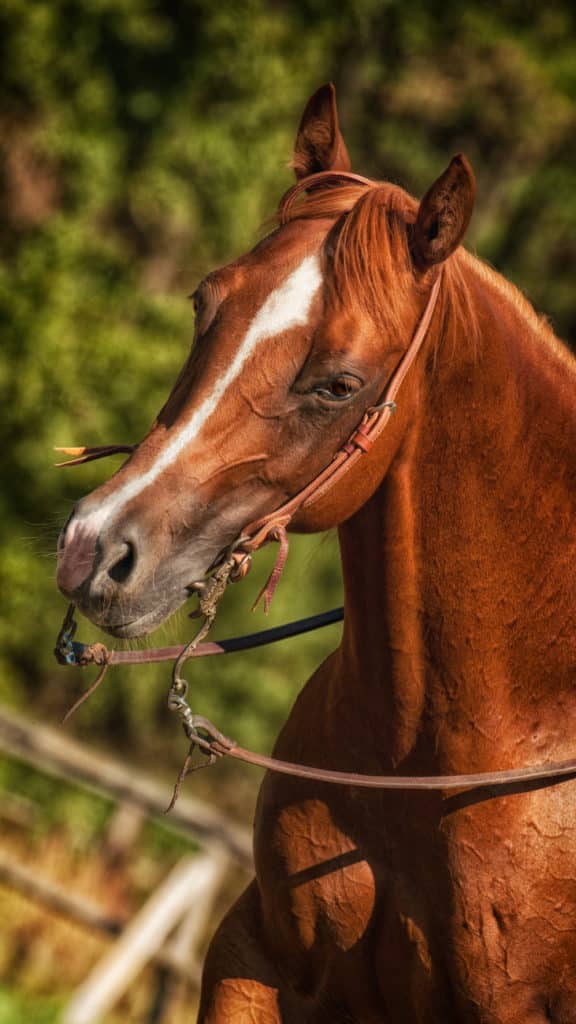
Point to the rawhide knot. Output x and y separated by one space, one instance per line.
94 654
242 563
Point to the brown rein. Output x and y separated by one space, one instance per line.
217 745
418 782
201 732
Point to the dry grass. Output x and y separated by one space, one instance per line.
45 955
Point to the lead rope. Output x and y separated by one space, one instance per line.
213 744
217 744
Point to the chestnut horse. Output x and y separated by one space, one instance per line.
457 539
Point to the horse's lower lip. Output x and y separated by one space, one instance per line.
119 628
150 620
138 626
134 627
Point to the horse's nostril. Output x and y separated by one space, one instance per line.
120 571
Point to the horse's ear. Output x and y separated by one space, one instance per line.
444 214
319 145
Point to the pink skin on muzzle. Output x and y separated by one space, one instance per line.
76 554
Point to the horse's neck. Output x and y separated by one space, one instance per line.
458 571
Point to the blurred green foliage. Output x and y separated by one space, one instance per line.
20 1009
143 143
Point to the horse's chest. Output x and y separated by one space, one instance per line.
474 912
511 929
321 882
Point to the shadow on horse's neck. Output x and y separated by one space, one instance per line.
457 569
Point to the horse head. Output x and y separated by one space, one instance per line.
293 342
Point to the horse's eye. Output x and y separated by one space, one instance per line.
342 387
339 388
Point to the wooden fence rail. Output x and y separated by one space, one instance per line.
53 752
191 883
84 912
167 929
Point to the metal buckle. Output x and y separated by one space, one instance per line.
66 651
385 405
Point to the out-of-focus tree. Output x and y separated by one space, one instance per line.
498 82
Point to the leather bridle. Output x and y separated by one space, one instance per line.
371 426
200 732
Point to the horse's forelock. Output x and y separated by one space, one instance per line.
368 251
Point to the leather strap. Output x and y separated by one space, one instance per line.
558 769
73 652
358 444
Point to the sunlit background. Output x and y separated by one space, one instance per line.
143 144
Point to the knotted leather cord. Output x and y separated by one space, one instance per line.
278 534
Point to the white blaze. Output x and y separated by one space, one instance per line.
287 306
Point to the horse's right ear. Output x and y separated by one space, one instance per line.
319 145
444 214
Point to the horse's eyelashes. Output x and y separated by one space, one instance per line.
343 386
339 388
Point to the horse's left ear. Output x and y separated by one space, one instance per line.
319 144
444 214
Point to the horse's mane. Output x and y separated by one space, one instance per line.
538 323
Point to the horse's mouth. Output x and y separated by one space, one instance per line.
133 628
130 627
